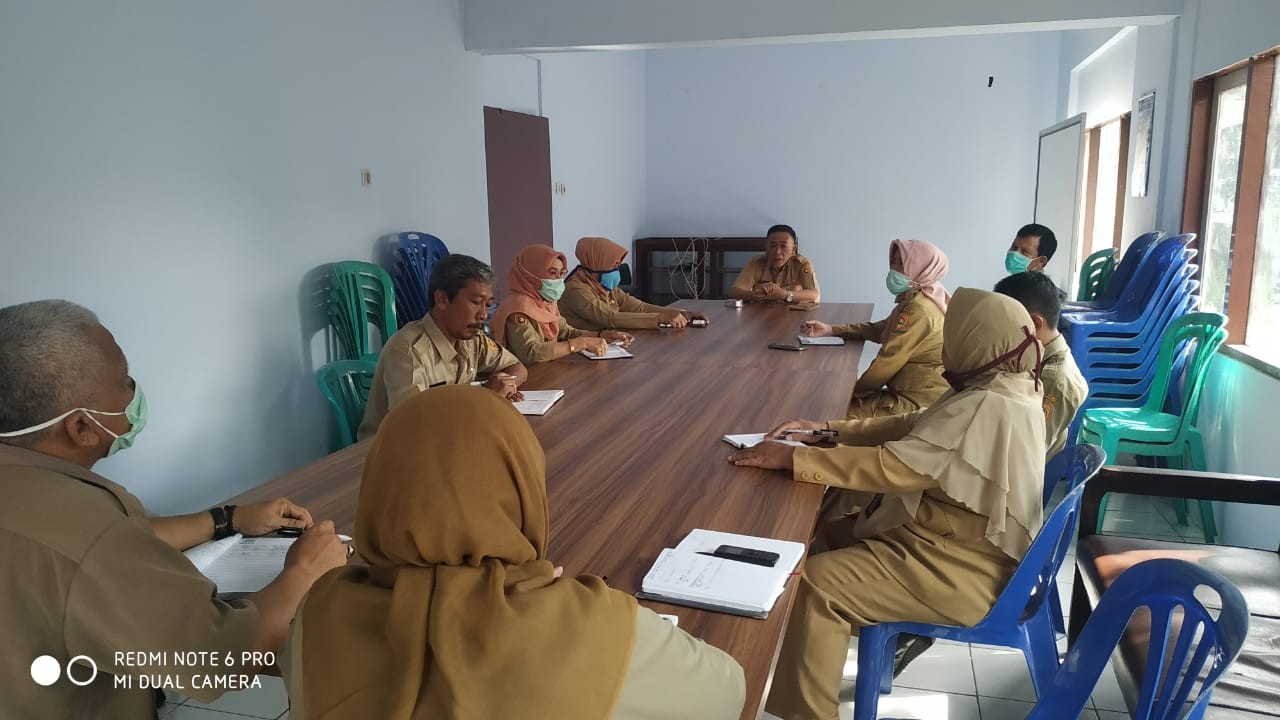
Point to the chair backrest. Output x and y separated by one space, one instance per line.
1126 267
416 255
345 385
1161 266
1095 274
1176 657
360 295
1029 586
1207 331
1073 463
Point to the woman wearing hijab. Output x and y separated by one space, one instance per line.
956 502
593 301
907 372
528 320
460 616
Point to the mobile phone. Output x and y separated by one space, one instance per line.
787 346
289 532
697 323
747 555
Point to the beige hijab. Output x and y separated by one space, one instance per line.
458 616
984 441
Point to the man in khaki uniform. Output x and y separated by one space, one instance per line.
1065 389
780 275
88 576
447 347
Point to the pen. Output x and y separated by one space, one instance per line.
813 433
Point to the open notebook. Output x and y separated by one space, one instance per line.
238 564
613 353
805 340
681 576
538 402
754 439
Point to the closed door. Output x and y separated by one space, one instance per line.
517 150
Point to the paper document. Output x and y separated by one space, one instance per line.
754 439
538 402
612 353
806 340
238 564
682 576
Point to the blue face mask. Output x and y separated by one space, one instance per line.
611 279
1016 262
135 413
552 289
897 283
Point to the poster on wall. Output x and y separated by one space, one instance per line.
1142 151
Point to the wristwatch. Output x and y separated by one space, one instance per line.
790 296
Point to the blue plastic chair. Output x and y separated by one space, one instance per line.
1121 277
1072 465
416 254
1019 619
1171 688
346 385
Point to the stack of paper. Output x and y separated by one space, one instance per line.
681 576
538 402
238 564
806 340
753 439
613 353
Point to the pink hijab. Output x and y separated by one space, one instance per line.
925 265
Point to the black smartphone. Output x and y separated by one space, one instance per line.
747 555
787 346
697 322
289 532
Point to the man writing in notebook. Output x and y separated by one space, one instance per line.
447 347
89 578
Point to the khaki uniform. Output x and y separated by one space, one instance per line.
419 357
583 308
907 372
796 274
891 575
671 674
524 338
1065 391
84 574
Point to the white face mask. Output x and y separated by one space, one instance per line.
135 413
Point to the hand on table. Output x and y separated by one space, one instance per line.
505 385
786 427
597 346
267 517
815 328
768 455
316 552
675 318
617 336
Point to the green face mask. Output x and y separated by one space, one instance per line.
897 282
135 413
552 290
1016 262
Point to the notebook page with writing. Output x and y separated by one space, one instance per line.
248 565
683 577
538 402
753 439
613 353
206 554
806 340
789 552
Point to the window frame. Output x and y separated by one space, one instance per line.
1093 156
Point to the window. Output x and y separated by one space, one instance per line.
1107 150
1232 199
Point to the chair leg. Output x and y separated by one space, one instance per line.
1055 610
1110 445
1195 451
874 654
1041 651
1178 462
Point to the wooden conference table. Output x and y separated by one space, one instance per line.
635 460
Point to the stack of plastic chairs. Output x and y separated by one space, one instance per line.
1120 277
1116 348
360 296
346 384
1096 274
416 254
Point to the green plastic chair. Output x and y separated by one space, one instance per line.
1151 432
1096 273
360 295
345 385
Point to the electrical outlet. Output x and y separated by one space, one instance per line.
366 177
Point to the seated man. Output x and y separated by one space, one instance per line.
88 576
780 274
1065 388
1032 248
592 299
447 347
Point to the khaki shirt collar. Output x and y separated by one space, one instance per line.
1056 349
435 336
11 456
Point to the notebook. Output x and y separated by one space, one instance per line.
613 353
806 340
238 564
681 576
754 439
538 402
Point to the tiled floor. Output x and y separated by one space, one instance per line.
949 682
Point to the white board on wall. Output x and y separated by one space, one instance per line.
1059 191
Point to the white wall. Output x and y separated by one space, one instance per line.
181 168
595 104
1103 82
855 144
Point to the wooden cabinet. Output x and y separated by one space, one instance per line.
669 269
